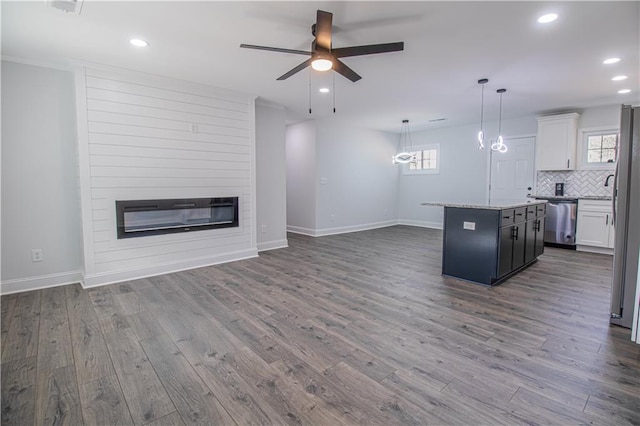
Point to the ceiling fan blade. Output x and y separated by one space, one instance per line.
275 49
341 68
369 49
295 70
323 30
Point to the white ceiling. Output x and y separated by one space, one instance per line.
448 47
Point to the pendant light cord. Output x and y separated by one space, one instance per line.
500 118
482 109
309 74
334 92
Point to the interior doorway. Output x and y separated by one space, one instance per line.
512 174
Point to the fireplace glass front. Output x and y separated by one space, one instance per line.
137 218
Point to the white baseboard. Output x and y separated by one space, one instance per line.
421 223
100 279
341 229
301 230
40 282
591 249
354 228
272 245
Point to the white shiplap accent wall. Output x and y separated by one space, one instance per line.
136 140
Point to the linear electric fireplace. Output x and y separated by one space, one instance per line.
140 218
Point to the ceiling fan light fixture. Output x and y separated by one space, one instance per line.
322 64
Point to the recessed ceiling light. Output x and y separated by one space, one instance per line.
619 78
623 91
324 90
138 42
549 17
611 61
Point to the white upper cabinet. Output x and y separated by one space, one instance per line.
556 142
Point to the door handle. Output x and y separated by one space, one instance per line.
607 221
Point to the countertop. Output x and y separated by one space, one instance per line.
486 206
571 197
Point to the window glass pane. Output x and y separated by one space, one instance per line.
430 159
608 155
594 156
609 141
426 161
594 142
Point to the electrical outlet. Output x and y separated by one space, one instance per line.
36 255
264 229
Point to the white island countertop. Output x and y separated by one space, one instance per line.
494 205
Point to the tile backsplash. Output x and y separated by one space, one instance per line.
578 183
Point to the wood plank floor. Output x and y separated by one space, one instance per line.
356 328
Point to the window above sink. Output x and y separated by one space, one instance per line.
598 148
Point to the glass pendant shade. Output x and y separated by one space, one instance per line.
499 144
405 150
481 82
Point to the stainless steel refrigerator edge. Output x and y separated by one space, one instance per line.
626 204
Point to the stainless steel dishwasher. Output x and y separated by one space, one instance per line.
560 223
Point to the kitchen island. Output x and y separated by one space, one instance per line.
487 243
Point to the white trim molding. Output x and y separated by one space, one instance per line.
273 245
592 249
341 229
39 282
100 279
421 223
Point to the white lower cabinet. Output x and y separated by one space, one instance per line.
595 230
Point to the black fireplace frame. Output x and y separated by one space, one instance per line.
125 206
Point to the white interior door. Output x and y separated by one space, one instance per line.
512 172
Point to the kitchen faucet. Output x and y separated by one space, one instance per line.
606 182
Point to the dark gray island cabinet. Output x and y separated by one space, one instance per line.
486 244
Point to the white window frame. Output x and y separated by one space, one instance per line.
583 147
436 171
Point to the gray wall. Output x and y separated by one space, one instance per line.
361 181
40 207
301 176
271 185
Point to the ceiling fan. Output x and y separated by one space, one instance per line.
323 56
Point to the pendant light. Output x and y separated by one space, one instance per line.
481 82
499 145
405 154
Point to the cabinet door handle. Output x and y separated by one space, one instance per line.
537 225
514 233
607 221
568 163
